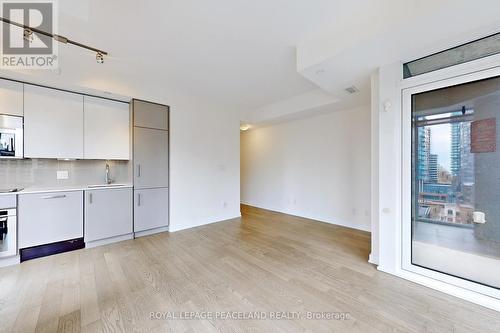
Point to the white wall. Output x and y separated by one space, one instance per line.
388 127
317 168
205 165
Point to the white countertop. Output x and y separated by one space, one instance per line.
45 189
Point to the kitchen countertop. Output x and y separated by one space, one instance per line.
46 189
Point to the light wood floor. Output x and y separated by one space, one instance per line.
263 262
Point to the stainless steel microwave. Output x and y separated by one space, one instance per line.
11 137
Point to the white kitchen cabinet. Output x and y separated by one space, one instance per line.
106 129
45 218
11 98
53 123
8 201
150 115
108 213
150 209
150 158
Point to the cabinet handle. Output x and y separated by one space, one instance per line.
90 198
138 170
55 196
138 199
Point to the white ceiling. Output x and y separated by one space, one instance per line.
237 52
242 54
397 32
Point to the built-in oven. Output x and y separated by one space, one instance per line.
11 137
8 232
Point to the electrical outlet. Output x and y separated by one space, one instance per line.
62 174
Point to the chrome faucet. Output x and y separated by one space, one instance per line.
107 179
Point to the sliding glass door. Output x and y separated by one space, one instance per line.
451 213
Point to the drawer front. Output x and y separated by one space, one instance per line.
45 218
8 201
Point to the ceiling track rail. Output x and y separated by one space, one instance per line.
58 38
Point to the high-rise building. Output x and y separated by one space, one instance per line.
433 168
467 158
462 162
424 149
461 159
456 148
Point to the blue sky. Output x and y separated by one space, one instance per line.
441 144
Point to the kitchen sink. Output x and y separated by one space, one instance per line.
105 185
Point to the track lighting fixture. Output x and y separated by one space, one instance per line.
99 58
28 34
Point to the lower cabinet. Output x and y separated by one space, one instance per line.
150 209
108 213
46 218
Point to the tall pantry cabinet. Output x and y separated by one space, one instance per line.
151 167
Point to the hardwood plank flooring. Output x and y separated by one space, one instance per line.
265 262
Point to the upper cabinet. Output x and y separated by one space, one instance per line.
66 125
106 129
150 115
11 98
53 123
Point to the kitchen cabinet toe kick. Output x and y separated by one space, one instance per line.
50 249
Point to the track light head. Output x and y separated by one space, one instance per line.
99 58
28 34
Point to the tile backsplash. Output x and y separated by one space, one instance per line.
43 172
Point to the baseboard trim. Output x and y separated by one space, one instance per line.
150 232
210 221
314 218
109 240
373 259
